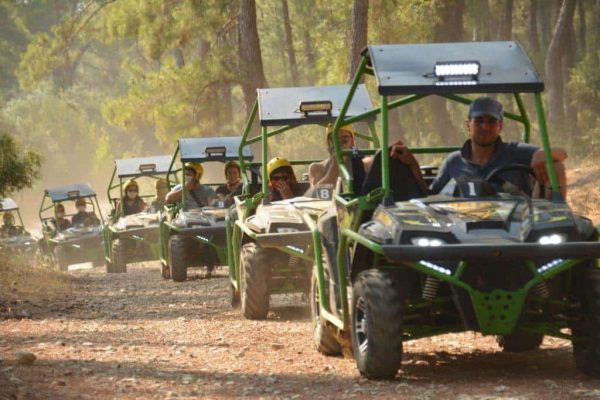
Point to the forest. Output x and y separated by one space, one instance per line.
83 82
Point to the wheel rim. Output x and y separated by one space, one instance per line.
360 325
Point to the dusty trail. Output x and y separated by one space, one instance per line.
138 336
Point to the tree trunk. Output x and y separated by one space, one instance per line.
581 32
358 38
534 39
449 14
554 58
569 62
203 49
289 41
506 25
480 10
178 56
545 23
251 67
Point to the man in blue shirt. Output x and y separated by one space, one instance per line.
196 194
485 151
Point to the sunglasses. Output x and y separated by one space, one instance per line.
280 177
132 190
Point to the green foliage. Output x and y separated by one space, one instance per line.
18 168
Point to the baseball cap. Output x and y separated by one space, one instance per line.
485 106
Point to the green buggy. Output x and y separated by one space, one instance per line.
482 256
14 238
195 237
77 243
269 242
135 237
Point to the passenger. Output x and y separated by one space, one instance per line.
281 179
133 203
8 228
162 188
83 218
196 194
326 171
485 151
60 223
233 187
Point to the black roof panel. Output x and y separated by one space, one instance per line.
212 149
8 204
132 167
70 192
279 106
408 68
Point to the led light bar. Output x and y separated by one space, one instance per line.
147 167
435 267
455 83
450 69
219 151
321 106
73 193
550 265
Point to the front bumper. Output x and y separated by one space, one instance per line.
459 252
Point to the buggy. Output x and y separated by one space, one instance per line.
78 243
135 237
15 239
482 256
271 242
195 237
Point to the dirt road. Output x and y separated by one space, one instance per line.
137 336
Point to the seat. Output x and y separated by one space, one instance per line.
403 184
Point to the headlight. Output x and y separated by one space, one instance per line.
554 238
287 230
427 241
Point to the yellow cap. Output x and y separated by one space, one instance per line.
275 163
196 167
347 128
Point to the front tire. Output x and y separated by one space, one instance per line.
119 256
377 310
61 256
323 337
520 341
178 252
255 269
587 351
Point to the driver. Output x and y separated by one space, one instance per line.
485 151
8 228
281 179
196 194
60 223
133 203
83 217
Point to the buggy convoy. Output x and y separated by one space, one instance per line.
14 239
482 256
270 243
80 242
195 237
135 237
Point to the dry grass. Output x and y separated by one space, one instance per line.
20 280
584 190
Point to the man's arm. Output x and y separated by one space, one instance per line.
324 172
400 152
174 195
538 164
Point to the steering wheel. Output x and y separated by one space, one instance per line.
494 176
